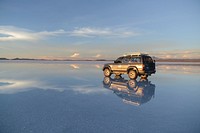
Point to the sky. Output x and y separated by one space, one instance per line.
99 29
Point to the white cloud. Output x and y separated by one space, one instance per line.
177 54
89 32
97 56
75 55
106 32
12 33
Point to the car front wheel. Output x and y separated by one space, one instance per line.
107 72
132 74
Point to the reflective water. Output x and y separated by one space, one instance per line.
60 97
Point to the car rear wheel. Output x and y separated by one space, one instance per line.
132 74
107 72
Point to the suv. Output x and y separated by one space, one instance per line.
134 65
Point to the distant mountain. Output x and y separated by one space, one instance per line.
23 59
4 59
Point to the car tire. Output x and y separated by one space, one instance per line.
107 72
132 74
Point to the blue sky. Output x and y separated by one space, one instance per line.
79 29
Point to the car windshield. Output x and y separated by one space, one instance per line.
118 60
147 59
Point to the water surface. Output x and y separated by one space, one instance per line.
60 97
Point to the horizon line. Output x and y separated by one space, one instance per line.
156 59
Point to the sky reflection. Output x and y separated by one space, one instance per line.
44 75
57 97
80 77
179 68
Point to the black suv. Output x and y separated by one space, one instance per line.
134 65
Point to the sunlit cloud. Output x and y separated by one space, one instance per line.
105 32
12 33
97 56
88 32
75 55
185 54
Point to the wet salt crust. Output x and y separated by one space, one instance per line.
57 97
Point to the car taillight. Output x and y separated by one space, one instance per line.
143 67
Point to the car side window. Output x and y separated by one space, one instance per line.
125 60
135 60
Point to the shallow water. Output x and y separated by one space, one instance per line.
60 97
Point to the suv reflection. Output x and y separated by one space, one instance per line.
131 91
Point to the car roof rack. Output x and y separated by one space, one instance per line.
136 54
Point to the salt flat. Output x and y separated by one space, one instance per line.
57 97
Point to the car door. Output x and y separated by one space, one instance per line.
125 63
118 64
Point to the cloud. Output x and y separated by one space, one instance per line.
177 54
75 55
12 33
99 32
89 32
97 56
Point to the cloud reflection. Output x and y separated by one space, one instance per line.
59 76
179 68
13 86
75 66
16 86
87 89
